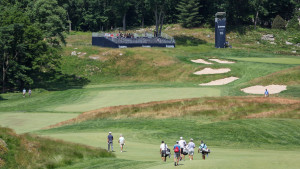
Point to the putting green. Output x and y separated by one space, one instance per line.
99 99
27 122
219 158
289 61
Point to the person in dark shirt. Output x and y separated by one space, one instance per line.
110 139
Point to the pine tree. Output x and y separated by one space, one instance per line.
189 13
278 23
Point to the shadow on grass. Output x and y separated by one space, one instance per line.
188 40
57 81
1 98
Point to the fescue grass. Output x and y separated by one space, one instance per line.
28 151
211 109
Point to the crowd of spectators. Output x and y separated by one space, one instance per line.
119 35
131 38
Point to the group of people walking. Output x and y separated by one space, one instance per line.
24 92
181 149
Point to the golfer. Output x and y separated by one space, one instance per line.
122 142
202 149
29 92
24 92
163 150
191 147
182 144
266 93
110 139
176 153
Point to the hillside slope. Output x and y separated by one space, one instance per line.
29 151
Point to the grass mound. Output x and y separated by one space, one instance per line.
28 151
212 109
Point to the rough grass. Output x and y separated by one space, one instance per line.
28 151
285 77
211 109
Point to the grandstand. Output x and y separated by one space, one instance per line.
119 40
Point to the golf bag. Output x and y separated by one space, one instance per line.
168 153
185 151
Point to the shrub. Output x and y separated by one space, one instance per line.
294 23
278 23
296 39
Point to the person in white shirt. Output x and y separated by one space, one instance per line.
163 150
182 144
122 142
191 147
24 92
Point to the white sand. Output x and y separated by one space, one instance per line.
212 71
220 81
201 61
273 89
222 61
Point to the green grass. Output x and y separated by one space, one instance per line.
80 100
138 75
27 122
255 133
267 143
143 154
126 97
110 163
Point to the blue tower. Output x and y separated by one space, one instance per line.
220 29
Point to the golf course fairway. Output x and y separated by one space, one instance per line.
218 158
27 122
94 100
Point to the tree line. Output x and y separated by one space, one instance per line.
95 15
31 34
32 31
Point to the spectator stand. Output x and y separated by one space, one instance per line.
124 40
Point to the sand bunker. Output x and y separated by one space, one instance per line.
201 61
220 81
273 89
212 71
222 61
